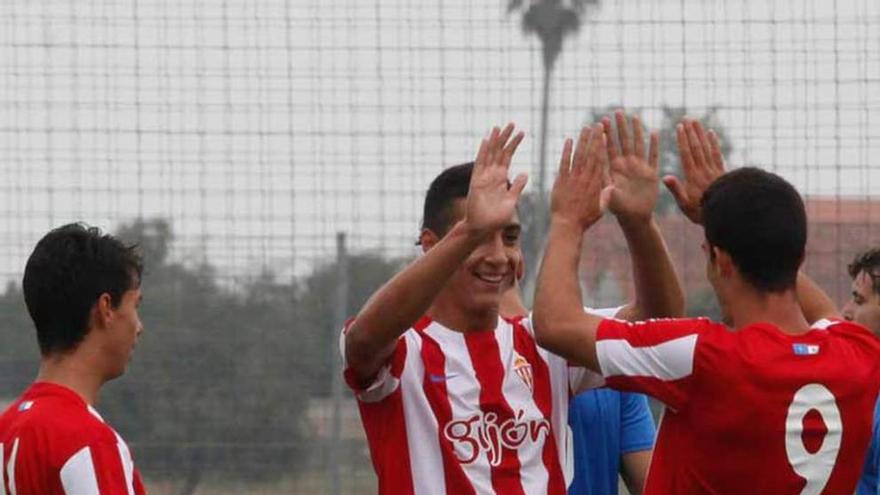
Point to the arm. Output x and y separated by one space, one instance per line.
370 340
634 470
561 325
814 302
632 197
637 434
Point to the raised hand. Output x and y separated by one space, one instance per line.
490 202
575 196
701 163
633 180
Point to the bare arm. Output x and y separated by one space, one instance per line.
632 196
814 302
373 334
561 325
634 470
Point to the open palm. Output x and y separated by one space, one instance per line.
701 161
491 199
633 178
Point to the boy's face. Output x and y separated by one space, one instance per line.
490 269
863 306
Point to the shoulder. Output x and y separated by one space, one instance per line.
68 421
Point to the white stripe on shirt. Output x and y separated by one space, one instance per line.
78 474
670 360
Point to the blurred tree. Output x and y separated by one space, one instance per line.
552 21
316 307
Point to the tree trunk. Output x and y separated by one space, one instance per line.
539 223
542 157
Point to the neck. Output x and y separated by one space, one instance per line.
449 313
781 309
72 372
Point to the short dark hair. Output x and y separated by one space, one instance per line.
759 219
67 272
868 262
453 183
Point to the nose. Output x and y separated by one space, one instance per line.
847 311
495 253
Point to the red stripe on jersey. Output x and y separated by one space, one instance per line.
457 481
385 425
543 397
486 358
107 464
672 392
651 332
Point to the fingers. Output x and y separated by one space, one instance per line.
482 154
597 150
638 139
623 133
510 149
580 153
565 161
705 147
654 151
684 149
677 189
496 148
519 183
609 140
717 156
695 145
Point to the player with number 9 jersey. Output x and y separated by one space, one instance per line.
751 411
766 403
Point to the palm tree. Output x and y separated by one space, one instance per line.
552 21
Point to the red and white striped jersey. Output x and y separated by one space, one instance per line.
751 411
471 413
53 443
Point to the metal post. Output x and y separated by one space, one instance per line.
339 317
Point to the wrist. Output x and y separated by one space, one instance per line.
635 223
567 227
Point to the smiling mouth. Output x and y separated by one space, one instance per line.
491 279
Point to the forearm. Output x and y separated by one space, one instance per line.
561 325
814 302
634 470
657 286
394 308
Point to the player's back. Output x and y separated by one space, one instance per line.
53 443
767 412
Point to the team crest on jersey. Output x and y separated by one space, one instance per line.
524 370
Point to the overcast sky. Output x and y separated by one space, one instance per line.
260 128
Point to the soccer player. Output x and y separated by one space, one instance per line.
453 398
82 290
774 406
863 307
613 432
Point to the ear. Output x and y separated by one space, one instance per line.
103 310
520 269
428 239
723 262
